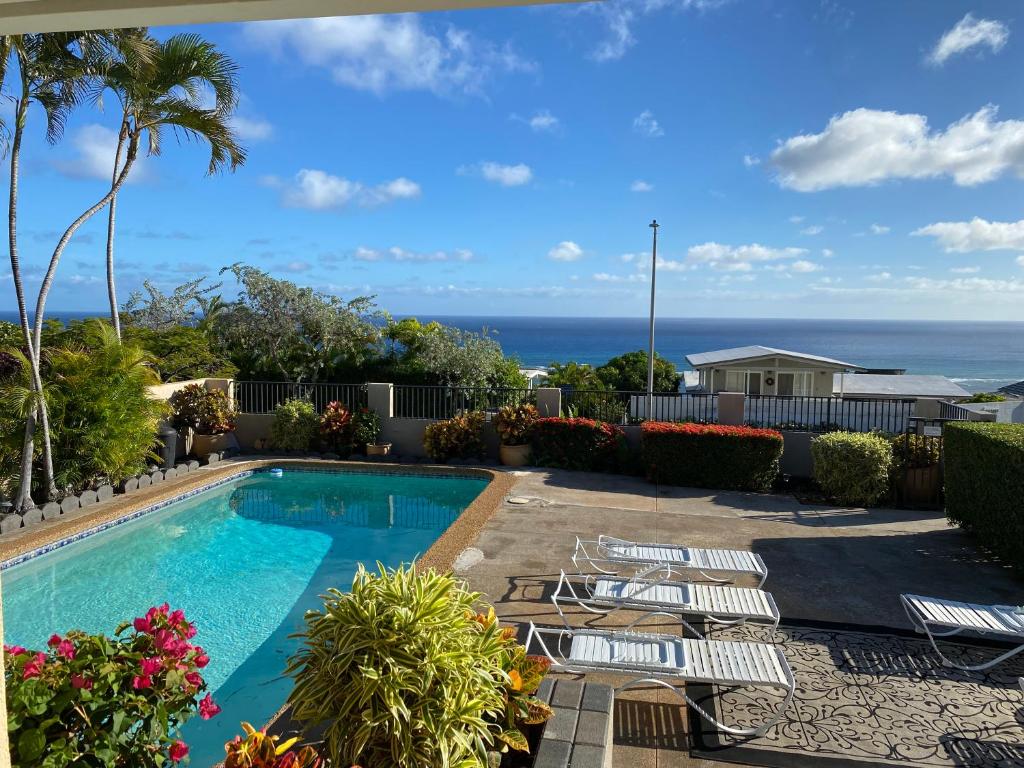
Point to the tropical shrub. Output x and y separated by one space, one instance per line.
107 701
401 673
258 750
207 411
103 423
628 373
913 451
711 455
365 427
181 352
514 423
336 427
985 397
582 444
460 437
984 483
295 427
852 468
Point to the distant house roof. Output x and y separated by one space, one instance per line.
1015 390
882 385
757 352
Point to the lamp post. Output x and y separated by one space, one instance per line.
650 350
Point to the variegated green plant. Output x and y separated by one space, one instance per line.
401 673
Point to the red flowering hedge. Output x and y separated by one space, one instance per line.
582 444
711 455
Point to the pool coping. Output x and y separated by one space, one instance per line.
36 541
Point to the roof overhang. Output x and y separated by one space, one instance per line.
803 361
24 16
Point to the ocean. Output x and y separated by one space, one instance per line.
980 356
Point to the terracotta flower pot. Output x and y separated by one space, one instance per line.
204 445
515 455
380 449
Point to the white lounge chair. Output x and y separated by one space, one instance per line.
723 606
944 618
670 661
608 552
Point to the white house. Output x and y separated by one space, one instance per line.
758 370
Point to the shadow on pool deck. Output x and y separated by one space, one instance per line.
824 564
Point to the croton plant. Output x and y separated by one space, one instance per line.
514 423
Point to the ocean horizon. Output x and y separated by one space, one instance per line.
978 355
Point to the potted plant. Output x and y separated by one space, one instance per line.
514 425
208 413
366 432
336 429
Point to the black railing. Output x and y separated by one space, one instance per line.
954 412
440 402
630 407
826 414
265 396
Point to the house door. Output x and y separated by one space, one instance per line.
784 384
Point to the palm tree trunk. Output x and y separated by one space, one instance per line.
51 271
115 319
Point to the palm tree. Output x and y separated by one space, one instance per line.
52 71
166 90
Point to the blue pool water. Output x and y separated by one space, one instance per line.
244 560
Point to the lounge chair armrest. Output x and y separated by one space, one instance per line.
684 625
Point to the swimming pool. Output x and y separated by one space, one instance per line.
244 560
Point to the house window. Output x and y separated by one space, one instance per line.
795 383
743 381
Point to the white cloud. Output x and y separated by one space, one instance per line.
867 146
566 250
815 229
627 258
969 33
646 125
965 270
541 122
251 128
878 229
796 219
751 160
880 277
640 186
828 253
620 15
505 175
94 147
635 277
390 53
395 253
976 235
804 266
321 191
1020 261
738 258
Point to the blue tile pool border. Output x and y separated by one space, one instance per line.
241 474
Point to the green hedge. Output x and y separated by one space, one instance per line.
582 444
711 455
984 478
852 468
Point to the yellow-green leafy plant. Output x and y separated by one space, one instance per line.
852 468
525 673
459 437
400 673
296 425
260 750
514 423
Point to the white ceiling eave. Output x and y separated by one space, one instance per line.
24 16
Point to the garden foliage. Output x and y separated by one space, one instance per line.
366 426
296 426
711 455
207 411
460 437
114 702
852 468
984 479
336 427
582 444
514 423
402 674
260 750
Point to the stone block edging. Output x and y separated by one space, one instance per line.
580 733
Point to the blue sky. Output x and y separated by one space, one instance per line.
805 159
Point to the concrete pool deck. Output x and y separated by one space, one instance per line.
824 564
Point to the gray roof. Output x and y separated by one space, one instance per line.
1016 390
906 385
756 352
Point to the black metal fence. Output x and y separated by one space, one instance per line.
265 396
954 412
440 402
630 407
827 414
918 469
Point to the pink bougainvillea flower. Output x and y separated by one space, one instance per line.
151 666
143 625
194 679
14 650
34 667
178 751
168 642
176 617
139 682
207 708
54 640
190 632
66 649
79 681
201 659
